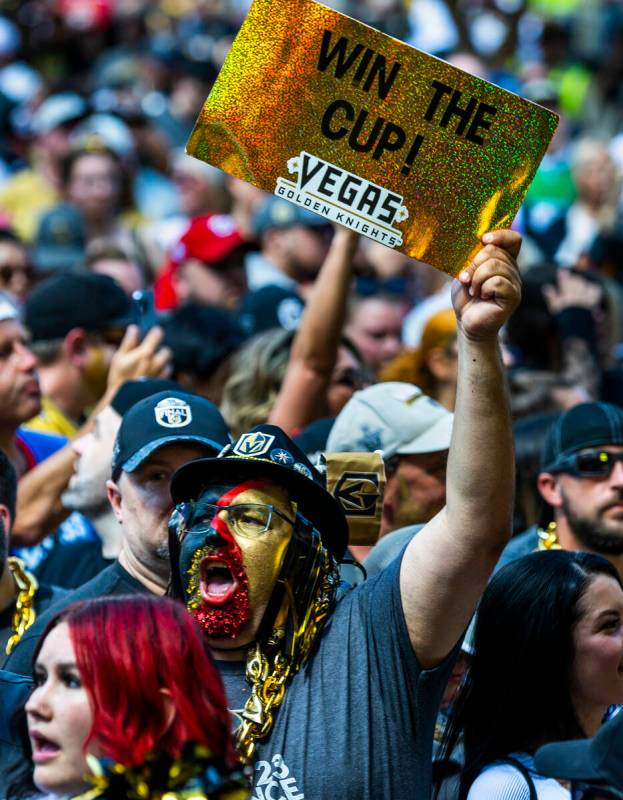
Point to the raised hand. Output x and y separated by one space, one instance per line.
488 291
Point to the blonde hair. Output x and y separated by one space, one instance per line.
256 376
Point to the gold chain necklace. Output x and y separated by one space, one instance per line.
24 614
548 538
268 681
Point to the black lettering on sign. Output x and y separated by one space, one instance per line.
345 59
468 111
325 126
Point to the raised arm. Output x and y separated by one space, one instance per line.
315 346
447 565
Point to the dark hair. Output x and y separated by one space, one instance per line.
9 235
516 696
8 484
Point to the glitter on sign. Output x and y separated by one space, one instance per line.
370 133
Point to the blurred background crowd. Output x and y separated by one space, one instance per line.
98 98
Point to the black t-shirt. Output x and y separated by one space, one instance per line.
45 597
114 580
72 564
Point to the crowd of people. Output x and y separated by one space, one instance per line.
285 514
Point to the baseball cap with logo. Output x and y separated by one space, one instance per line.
162 419
209 238
397 418
266 451
60 242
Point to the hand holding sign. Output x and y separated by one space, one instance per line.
487 293
370 133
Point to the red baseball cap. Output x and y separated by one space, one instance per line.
209 238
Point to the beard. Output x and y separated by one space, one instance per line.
78 498
227 620
593 533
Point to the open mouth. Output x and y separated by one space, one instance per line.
43 749
218 584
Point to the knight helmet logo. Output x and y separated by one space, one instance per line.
358 493
253 444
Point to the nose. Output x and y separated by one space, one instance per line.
79 445
616 476
27 359
37 705
213 538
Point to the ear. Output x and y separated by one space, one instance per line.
169 709
548 487
114 498
76 347
5 517
180 283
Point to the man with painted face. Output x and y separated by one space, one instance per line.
330 693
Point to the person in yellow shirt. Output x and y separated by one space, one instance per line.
32 191
76 321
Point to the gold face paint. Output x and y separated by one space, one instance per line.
370 133
262 557
232 606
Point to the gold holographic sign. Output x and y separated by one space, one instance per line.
369 132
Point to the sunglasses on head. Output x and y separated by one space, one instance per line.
588 464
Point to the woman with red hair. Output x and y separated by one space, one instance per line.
125 687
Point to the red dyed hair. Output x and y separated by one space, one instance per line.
128 650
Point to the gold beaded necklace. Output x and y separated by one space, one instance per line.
24 614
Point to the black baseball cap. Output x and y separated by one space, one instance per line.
267 451
271 307
76 300
598 760
164 418
584 425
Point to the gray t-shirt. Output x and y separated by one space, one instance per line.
357 721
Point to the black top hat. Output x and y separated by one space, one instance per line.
268 451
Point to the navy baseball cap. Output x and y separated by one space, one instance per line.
584 425
164 418
266 451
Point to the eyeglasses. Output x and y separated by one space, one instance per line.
247 519
588 464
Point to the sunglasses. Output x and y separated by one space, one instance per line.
588 464
8 272
250 520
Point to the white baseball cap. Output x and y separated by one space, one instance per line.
397 418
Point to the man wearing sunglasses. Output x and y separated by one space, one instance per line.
581 481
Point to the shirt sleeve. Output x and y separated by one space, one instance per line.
502 782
